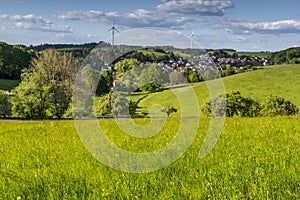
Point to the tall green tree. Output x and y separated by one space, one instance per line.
194 77
46 86
126 65
153 78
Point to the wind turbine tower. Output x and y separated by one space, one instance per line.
192 36
113 29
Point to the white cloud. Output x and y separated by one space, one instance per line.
137 18
196 7
262 27
32 22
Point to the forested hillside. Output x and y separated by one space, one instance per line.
14 58
288 56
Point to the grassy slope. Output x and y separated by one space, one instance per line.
280 80
257 54
8 84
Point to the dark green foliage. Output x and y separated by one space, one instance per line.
132 108
8 84
151 87
169 109
233 104
288 56
153 78
65 46
105 83
13 59
5 105
228 71
275 105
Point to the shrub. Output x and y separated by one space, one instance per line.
275 105
233 104
5 105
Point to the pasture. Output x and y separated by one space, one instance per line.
254 158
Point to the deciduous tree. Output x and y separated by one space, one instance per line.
46 87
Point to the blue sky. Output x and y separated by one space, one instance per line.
256 25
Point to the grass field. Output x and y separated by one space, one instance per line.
256 54
8 84
254 158
281 80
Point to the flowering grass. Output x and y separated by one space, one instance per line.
255 158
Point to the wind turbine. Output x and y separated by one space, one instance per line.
113 29
192 36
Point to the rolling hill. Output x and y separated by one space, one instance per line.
279 80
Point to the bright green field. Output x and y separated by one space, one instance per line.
256 158
283 80
8 84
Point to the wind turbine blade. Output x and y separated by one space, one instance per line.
117 30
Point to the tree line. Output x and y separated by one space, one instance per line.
13 59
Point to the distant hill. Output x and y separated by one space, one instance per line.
288 56
78 50
13 59
42 47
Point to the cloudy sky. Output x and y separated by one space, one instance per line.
252 25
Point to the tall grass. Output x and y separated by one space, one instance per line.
256 158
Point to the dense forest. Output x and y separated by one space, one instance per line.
13 58
288 56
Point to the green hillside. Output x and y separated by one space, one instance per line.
6 84
280 80
261 54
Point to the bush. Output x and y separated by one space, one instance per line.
151 87
275 105
233 104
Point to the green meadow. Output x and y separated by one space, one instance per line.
254 158
8 84
279 80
